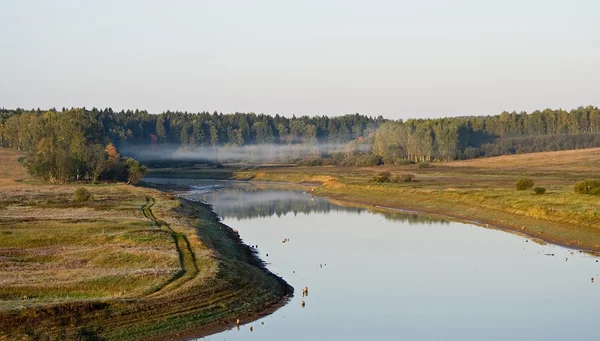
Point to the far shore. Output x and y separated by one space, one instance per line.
434 212
480 192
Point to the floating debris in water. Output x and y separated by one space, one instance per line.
303 304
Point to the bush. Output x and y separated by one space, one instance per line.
82 195
363 161
135 171
388 160
403 162
424 165
402 178
471 153
338 157
368 160
330 162
539 190
312 162
587 187
382 177
523 184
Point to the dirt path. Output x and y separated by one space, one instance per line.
187 257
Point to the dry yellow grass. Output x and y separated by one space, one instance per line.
11 172
53 250
576 161
133 263
11 169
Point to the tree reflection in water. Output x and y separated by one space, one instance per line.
248 202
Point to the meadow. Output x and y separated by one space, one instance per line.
133 263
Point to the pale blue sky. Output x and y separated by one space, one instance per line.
400 59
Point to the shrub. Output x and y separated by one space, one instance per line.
367 160
135 171
338 157
471 153
403 162
363 161
424 165
388 160
539 190
330 162
82 195
523 184
312 162
587 187
402 178
382 177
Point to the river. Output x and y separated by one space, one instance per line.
398 276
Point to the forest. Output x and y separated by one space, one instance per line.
189 130
67 146
77 143
182 136
447 139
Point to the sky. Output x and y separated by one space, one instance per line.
399 59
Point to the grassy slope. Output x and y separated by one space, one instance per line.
134 263
480 191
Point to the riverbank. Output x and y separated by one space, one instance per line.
134 263
477 191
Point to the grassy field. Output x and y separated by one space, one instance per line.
134 263
481 191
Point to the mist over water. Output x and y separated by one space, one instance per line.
248 153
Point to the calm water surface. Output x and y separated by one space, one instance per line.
402 277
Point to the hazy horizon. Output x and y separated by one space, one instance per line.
297 115
395 59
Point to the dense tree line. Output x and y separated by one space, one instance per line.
140 134
205 129
74 138
190 130
66 146
481 136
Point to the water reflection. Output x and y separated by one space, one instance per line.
398 276
241 203
244 201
